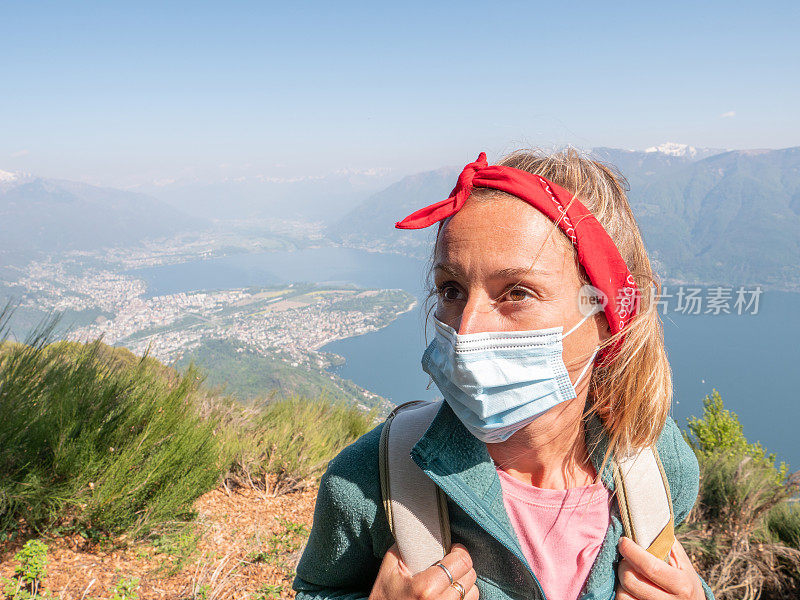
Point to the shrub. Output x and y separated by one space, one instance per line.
720 433
288 443
29 573
94 441
740 532
126 589
784 523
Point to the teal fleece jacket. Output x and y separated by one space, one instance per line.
350 534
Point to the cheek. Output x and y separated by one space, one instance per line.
446 312
531 314
580 344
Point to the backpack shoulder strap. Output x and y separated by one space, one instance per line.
416 508
645 502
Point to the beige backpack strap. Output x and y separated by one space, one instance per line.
644 500
415 507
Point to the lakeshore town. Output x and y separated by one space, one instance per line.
290 321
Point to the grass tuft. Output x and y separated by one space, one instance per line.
287 444
97 445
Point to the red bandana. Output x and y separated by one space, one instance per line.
596 250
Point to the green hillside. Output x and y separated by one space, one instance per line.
234 369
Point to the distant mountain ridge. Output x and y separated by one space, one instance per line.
684 150
371 223
641 166
728 218
313 198
51 215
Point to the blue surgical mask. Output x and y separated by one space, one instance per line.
498 382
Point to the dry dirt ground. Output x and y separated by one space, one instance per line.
244 545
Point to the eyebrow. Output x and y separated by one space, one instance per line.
509 272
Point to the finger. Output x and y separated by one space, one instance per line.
623 595
684 563
457 562
393 553
679 557
434 580
467 581
473 593
637 585
653 569
393 562
393 575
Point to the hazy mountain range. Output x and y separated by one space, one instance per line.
52 215
313 198
707 215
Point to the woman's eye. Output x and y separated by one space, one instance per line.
449 292
518 294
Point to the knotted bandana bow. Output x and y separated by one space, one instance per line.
597 252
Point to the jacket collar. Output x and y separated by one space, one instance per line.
461 466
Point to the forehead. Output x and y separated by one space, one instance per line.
502 231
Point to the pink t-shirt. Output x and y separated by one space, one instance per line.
560 531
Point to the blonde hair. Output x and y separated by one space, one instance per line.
632 393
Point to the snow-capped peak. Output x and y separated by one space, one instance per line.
674 149
7 176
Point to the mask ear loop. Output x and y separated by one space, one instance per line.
590 362
581 322
586 368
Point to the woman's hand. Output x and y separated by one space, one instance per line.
642 576
395 581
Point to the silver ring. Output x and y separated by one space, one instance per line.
459 588
447 572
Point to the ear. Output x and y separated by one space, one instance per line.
603 329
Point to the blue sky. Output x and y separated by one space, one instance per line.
126 93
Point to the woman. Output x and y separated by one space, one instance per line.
523 444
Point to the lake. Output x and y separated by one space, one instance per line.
751 359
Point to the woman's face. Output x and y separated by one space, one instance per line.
486 281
